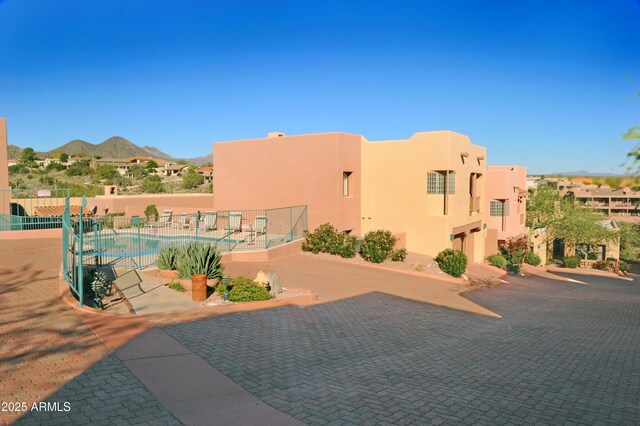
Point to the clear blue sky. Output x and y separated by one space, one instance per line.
539 83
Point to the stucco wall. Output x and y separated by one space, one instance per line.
394 189
504 183
291 170
131 205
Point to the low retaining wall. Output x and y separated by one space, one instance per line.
287 249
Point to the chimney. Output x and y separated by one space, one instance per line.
275 134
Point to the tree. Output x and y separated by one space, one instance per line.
629 240
64 157
151 165
152 184
28 156
581 225
192 179
545 208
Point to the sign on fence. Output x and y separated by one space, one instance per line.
44 193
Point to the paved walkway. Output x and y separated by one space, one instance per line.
43 343
334 280
562 353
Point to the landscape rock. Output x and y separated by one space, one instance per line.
274 282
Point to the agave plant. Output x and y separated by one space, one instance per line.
168 258
199 258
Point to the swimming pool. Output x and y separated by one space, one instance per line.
144 248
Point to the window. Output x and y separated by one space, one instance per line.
436 182
499 208
345 183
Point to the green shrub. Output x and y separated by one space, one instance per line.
624 266
346 246
452 262
248 293
514 268
377 246
225 288
323 240
399 255
571 262
168 258
592 255
497 260
199 258
601 265
532 259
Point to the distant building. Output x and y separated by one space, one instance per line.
171 169
207 173
612 202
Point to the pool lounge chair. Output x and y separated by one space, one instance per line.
210 221
164 220
235 222
184 222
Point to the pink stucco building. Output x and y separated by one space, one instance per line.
429 186
505 203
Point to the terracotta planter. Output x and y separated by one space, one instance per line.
199 288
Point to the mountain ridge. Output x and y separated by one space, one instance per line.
113 147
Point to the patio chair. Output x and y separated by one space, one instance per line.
165 219
235 222
211 221
259 228
184 222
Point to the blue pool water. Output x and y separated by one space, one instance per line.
133 245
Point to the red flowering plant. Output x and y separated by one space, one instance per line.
514 250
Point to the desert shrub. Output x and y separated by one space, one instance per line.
532 259
18 169
248 293
497 260
601 265
192 179
592 255
323 240
377 246
151 211
168 258
399 255
199 258
152 185
55 166
624 266
572 262
452 262
514 250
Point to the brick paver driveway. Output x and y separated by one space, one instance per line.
562 353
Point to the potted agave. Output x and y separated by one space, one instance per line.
199 262
167 262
